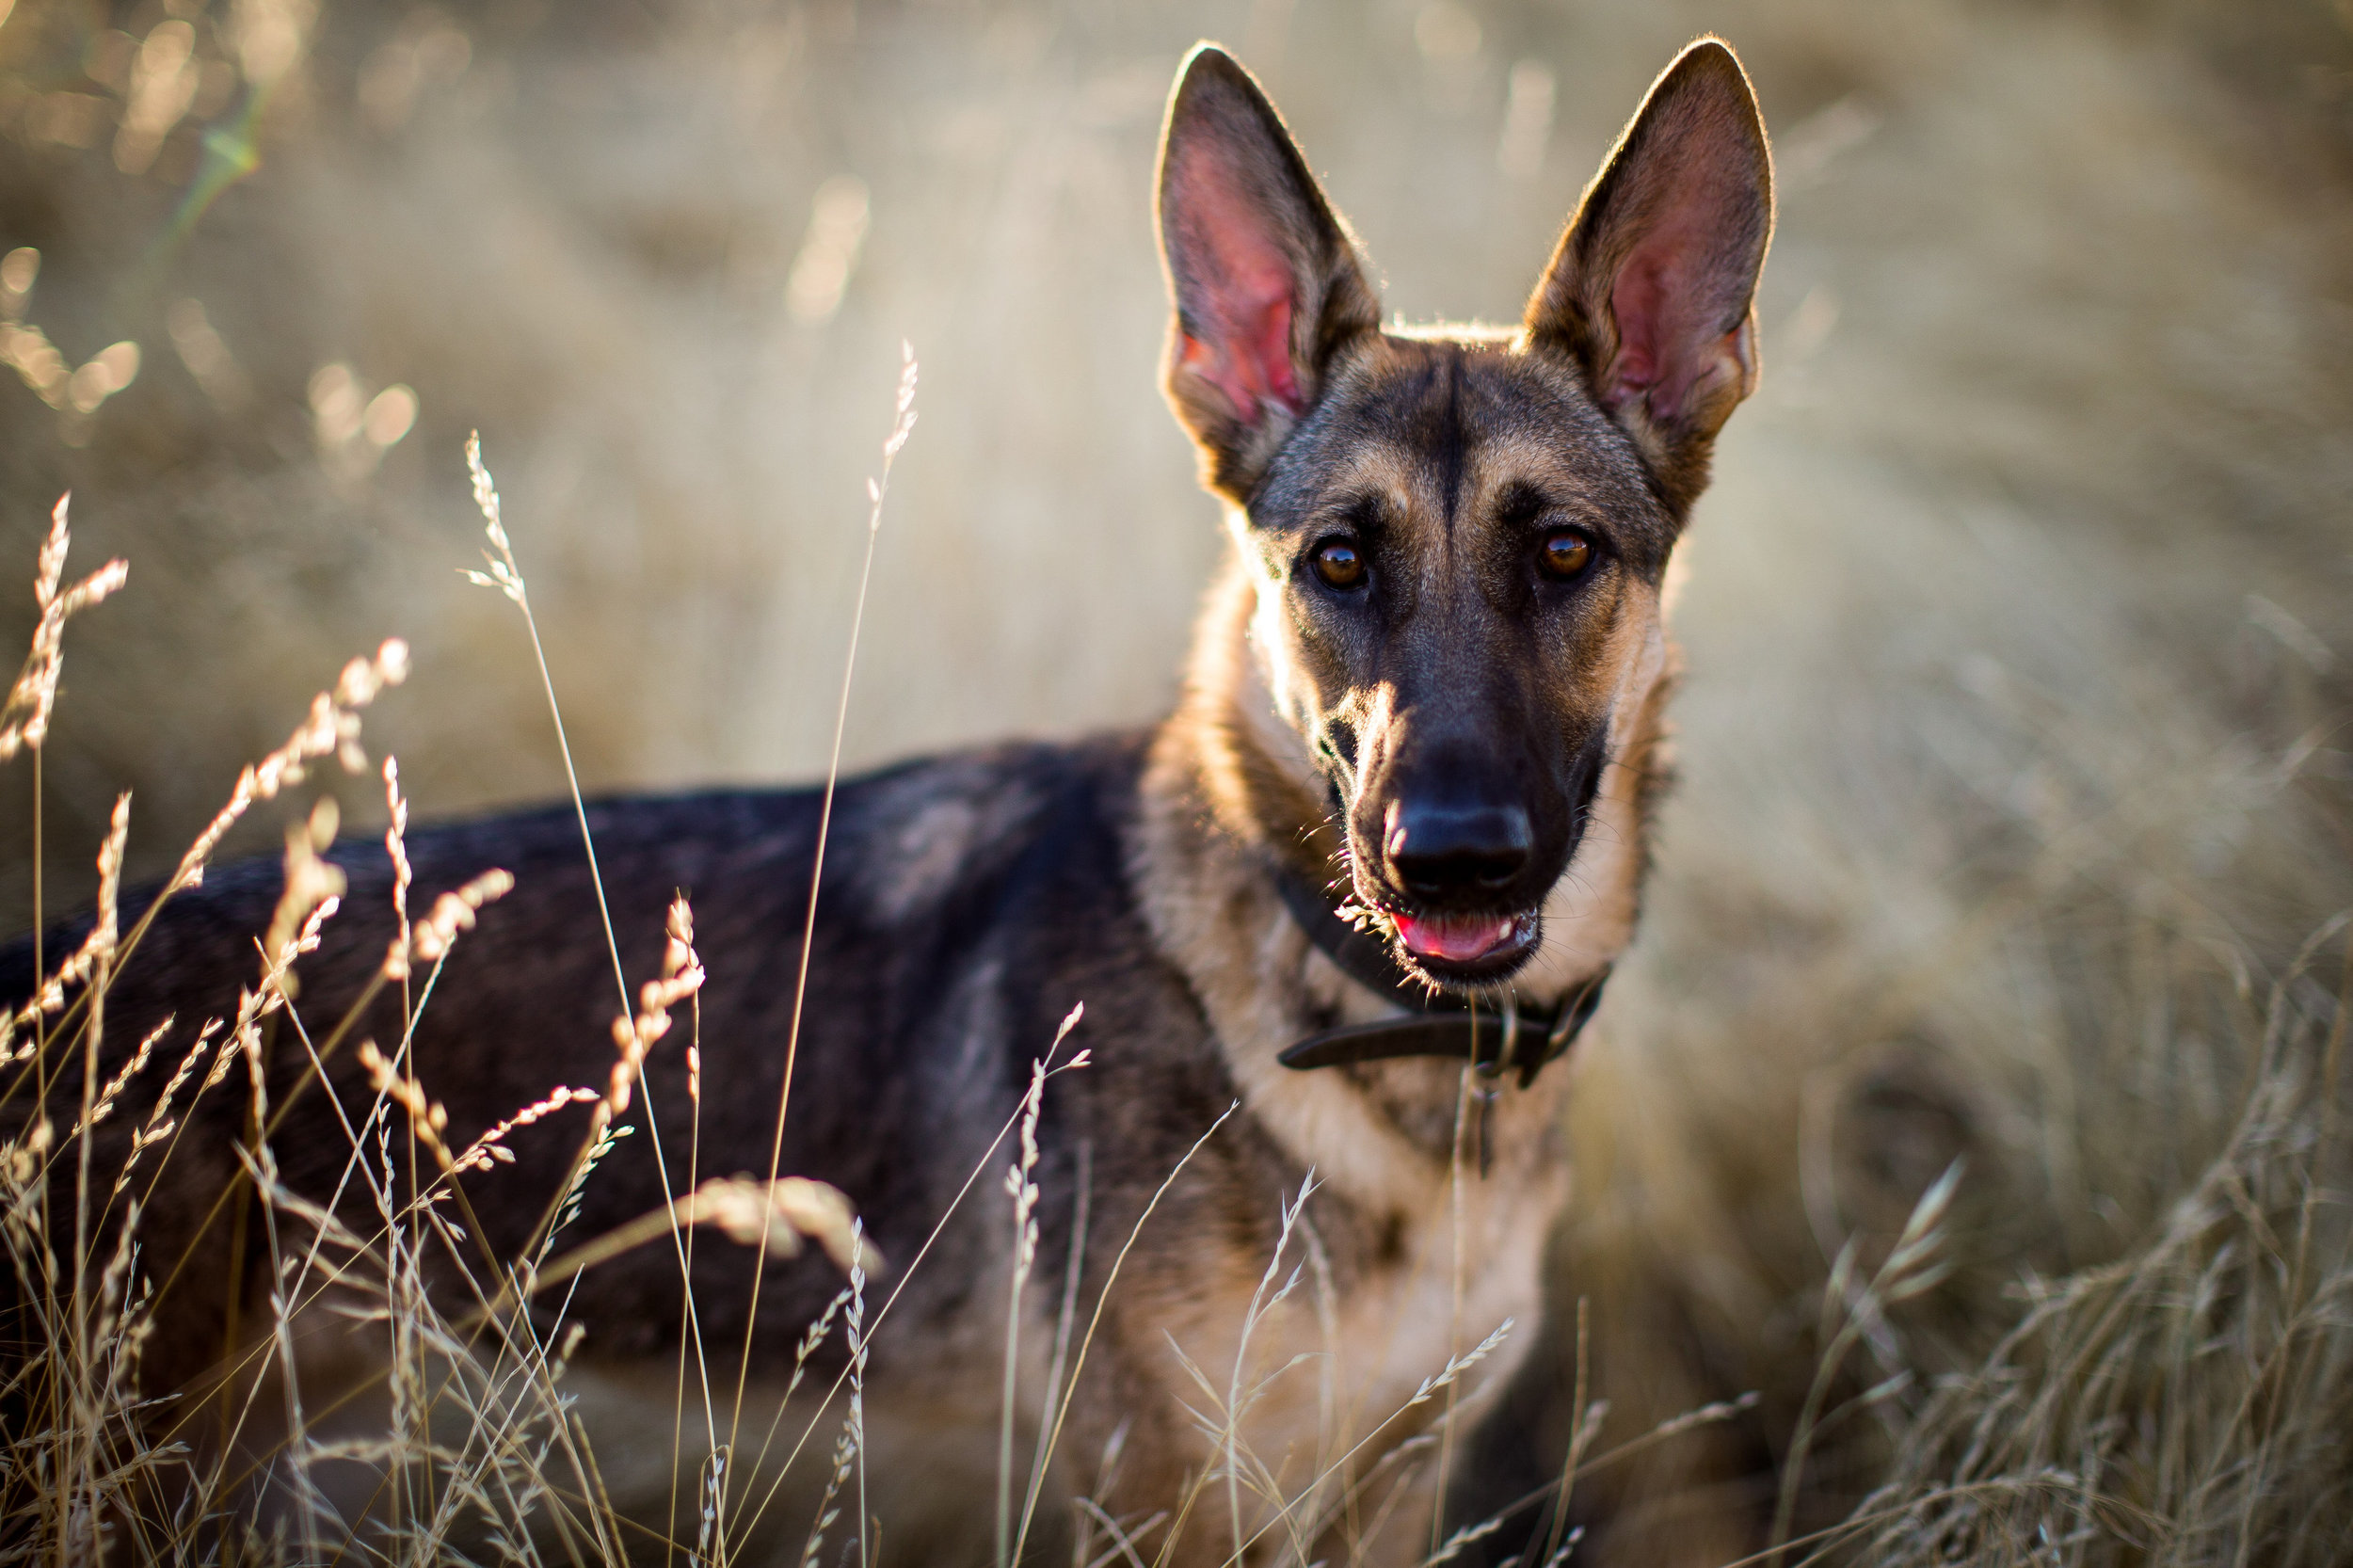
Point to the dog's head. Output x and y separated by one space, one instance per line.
1458 538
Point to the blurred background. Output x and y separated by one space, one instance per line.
2014 736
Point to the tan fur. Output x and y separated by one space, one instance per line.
1256 973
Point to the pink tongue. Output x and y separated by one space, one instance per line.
1458 940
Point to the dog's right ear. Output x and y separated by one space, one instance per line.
1263 274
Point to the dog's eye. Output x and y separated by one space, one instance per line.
1566 553
1339 563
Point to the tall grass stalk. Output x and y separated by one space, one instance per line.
508 578
505 575
903 426
1024 1192
681 931
1458 1263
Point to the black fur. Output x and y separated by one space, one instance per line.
923 1014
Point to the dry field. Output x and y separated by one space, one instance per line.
2016 807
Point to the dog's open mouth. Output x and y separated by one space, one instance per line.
1465 946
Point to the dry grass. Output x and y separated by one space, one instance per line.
2187 1404
464 1440
2013 756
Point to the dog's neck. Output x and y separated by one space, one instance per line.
1232 794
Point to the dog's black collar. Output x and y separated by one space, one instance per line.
1505 1033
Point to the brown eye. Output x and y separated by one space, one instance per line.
1567 554
1341 564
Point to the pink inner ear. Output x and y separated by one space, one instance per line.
1660 303
1636 303
1254 365
1240 298
1661 346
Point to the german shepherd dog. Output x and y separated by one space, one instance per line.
1346 906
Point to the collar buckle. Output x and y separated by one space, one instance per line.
1504 1056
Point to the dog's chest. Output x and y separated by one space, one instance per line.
1353 1358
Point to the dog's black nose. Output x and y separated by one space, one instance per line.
1437 849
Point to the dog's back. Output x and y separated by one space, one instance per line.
970 902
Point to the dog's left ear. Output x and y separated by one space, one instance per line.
1652 290
1264 277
